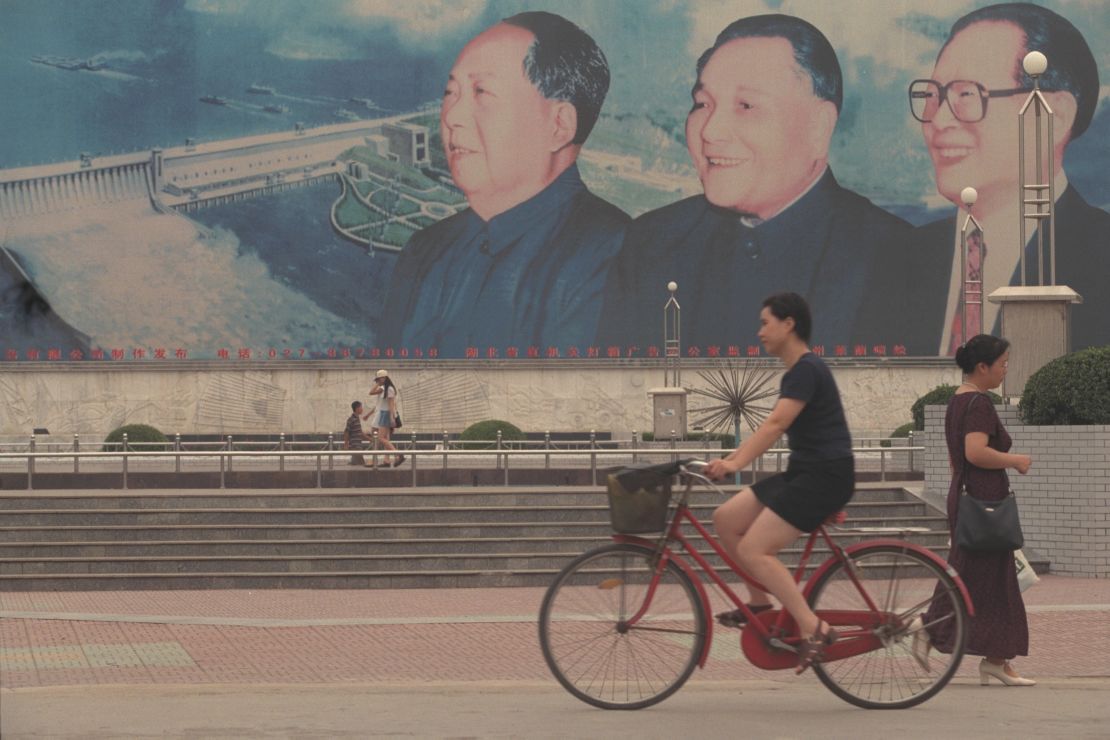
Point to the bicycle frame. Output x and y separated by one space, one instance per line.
773 630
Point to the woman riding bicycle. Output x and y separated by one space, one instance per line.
756 523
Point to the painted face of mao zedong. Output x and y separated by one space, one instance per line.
505 141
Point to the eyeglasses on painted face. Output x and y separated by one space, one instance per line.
966 99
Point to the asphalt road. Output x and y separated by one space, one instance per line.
1055 708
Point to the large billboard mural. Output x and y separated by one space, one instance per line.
276 179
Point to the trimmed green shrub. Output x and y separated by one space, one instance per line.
135 433
1073 389
728 441
939 396
904 430
899 433
486 431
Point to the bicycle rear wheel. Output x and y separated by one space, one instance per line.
916 598
589 645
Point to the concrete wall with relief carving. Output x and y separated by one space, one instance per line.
560 396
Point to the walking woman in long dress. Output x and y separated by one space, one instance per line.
979 447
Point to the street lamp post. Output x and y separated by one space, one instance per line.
972 282
672 338
669 402
1038 198
1036 318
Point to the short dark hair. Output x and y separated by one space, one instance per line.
1071 65
812 51
785 306
980 348
565 64
356 405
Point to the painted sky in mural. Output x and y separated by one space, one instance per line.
298 152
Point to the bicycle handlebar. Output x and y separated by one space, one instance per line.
695 463
691 468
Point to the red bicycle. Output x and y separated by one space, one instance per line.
624 626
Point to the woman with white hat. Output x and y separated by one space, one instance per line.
387 413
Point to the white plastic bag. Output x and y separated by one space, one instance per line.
1025 575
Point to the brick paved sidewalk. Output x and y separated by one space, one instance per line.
370 636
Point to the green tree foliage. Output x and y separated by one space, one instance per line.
1073 389
135 433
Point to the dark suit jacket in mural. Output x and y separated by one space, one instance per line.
822 247
910 302
530 277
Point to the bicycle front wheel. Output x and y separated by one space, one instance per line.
918 603
595 649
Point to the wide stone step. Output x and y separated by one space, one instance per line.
245 476
383 538
451 542
323 500
411 498
343 530
362 579
361 515
249 581
283 563
334 563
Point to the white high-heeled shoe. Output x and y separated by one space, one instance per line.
988 669
920 646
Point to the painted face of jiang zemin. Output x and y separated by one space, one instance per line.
983 154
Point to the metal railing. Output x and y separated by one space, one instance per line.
500 455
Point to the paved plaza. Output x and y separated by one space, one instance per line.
455 662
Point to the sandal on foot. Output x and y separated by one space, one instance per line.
737 618
812 649
400 461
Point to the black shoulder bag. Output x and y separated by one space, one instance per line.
987 526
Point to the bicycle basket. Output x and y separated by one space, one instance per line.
639 496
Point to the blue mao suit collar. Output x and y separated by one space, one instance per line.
505 228
790 229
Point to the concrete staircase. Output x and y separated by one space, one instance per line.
389 538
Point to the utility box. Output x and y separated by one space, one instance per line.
668 412
1037 322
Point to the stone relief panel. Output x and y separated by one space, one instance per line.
878 401
299 400
434 400
577 401
16 413
231 402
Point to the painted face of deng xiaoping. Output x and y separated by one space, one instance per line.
757 133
